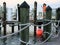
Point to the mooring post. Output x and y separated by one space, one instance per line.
35 18
57 17
4 17
4 22
12 27
18 6
47 28
24 18
0 29
58 13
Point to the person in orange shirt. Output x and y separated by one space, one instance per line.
44 10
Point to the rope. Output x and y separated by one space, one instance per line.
19 24
18 32
50 20
28 24
41 42
40 20
41 25
14 33
44 32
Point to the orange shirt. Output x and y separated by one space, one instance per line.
44 8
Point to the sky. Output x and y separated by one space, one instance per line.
13 3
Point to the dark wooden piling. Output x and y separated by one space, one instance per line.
18 7
4 17
0 29
35 17
57 18
12 27
24 18
47 28
4 22
58 15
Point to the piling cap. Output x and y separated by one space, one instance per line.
58 9
35 2
24 5
48 8
4 2
18 5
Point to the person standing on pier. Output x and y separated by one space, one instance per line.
44 10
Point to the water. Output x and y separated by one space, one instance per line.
12 40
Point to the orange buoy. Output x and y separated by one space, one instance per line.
39 32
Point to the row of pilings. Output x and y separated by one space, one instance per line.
23 17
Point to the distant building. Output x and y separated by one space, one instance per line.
39 16
54 14
14 15
31 18
31 15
